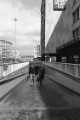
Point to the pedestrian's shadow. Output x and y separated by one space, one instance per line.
51 98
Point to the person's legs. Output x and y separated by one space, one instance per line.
33 78
28 76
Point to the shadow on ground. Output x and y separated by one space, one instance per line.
57 107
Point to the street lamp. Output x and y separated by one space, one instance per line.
15 20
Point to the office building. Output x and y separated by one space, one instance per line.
64 40
7 51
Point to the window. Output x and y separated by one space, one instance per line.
76 34
74 2
76 15
79 12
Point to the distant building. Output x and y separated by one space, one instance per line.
7 51
37 51
26 58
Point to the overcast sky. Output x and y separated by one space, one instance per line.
27 13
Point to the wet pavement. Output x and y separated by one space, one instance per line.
29 101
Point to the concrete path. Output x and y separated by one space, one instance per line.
5 88
47 102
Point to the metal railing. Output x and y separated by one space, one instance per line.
11 69
72 69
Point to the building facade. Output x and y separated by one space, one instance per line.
76 19
7 51
37 51
26 58
64 40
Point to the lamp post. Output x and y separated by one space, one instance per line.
15 20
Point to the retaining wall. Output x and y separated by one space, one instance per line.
67 80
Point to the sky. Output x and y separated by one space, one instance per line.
28 22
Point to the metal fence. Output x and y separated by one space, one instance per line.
11 68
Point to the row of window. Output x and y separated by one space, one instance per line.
76 15
74 2
76 33
76 18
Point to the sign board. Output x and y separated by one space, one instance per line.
59 5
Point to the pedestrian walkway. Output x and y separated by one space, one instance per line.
47 102
5 88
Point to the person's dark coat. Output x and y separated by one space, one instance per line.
36 70
41 75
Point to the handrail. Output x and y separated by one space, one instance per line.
69 68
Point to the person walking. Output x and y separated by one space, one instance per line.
29 71
41 75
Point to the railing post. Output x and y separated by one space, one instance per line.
76 70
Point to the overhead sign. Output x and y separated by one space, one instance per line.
59 5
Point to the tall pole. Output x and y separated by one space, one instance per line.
43 29
15 20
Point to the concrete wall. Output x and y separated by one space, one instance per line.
61 78
63 29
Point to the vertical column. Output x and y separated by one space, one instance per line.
43 29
